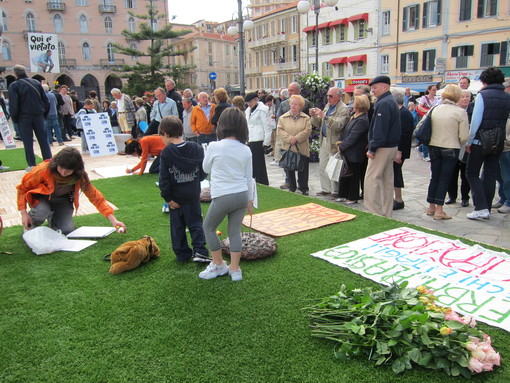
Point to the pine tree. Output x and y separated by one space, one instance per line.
147 77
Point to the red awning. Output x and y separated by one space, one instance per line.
324 25
338 60
361 16
309 29
338 22
357 58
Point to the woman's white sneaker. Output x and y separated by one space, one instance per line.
213 270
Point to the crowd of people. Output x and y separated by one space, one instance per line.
372 139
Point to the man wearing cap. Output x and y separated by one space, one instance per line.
383 139
259 134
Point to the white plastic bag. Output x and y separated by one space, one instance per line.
334 166
43 240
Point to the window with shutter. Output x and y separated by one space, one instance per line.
411 17
489 51
465 10
385 64
429 58
386 23
487 8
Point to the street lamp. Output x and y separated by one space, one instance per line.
303 7
232 31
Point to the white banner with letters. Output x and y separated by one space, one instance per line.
469 279
43 52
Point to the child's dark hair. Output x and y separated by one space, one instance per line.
133 146
171 126
232 123
70 159
492 75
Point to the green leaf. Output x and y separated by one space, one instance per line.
454 324
415 355
392 342
398 366
425 339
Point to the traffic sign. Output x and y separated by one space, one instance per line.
213 75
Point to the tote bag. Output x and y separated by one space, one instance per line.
292 161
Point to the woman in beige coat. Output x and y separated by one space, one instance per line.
450 130
294 129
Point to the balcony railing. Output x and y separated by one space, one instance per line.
267 40
106 8
291 65
252 70
67 63
109 64
56 6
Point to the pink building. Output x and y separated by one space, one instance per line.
86 30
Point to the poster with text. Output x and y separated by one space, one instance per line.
5 131
43 52
98 134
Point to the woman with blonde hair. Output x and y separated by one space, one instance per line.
450 130
294 129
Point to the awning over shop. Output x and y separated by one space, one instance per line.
324 25
309 29
338 60
357 58
333 24
417 86
361 16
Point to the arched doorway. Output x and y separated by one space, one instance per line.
39 78
112 81
88 83
64 79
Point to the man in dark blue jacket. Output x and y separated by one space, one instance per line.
383 139
29 108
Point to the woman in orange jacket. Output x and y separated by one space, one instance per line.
144 147
52 191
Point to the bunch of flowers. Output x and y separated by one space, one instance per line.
402 326
314 88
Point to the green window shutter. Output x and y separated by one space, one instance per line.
403 62
455 51
425 14
439 5
415 61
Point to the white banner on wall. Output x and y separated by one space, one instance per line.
469 279
99 134
43 52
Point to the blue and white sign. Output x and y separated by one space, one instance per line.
213 75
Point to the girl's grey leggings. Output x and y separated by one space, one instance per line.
231 205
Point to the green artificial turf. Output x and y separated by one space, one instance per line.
66 319
15 159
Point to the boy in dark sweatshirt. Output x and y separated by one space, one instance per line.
180 174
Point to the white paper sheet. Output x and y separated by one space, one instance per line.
91 232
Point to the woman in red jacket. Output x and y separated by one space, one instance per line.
52 191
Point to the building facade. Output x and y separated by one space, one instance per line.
347 42
86 30
273 50
440 41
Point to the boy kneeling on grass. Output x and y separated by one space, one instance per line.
180 174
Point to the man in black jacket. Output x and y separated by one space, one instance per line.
383 139
29 106
172 94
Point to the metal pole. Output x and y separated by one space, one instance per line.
317 10
241 47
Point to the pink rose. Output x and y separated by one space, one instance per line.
478 353
486 367
471 346
493 358
469 320
475 365
452 315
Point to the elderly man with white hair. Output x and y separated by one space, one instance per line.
163 106
331 122
125 110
